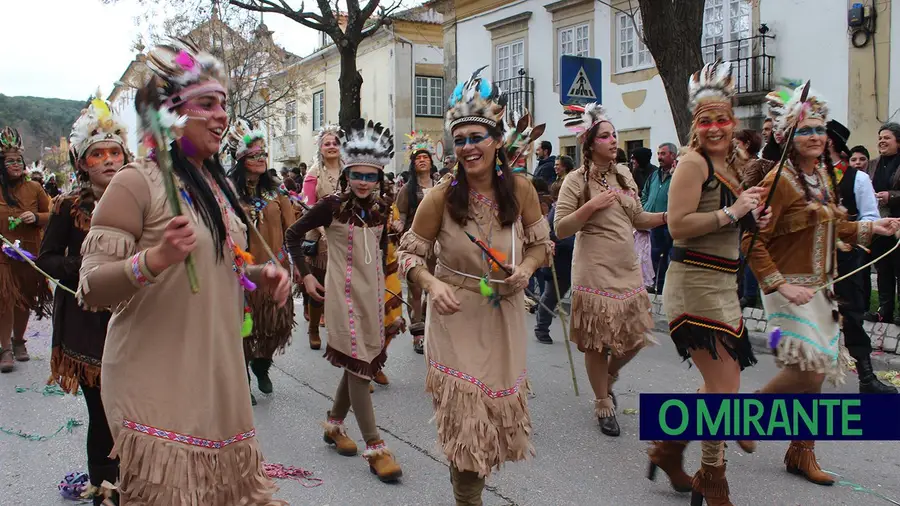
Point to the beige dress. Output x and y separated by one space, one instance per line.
610 306
317 185
476 357
174 383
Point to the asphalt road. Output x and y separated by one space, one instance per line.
575 463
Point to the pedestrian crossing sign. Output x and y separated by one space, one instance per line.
580 80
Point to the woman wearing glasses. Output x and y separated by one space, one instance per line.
355 221
24 210
272 213
476 345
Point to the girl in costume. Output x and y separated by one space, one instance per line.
476 348
175 397
795 254
700 293
271 211
600 203
422 178
99 149
355 223
320 181
24 211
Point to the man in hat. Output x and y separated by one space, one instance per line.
858 197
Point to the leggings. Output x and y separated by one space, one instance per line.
354 391
99 440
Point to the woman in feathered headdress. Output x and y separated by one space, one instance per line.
271 211
24 210
321 180
795 255
700 295
478 310
98 150
174 390
355 222
600 203
422 178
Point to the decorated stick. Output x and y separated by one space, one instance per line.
26 256
562 321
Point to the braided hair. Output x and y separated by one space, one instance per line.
587 152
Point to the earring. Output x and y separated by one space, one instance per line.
497 165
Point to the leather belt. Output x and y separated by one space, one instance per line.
705 260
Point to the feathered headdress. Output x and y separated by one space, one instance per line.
97 123
520 136
324 132
581 119
10 141
712 85
477 100
786 109
367 144
240 137
184 71
418 141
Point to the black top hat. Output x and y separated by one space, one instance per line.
839 135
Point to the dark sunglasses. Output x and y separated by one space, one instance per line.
472 139
366 177
807 131
258 156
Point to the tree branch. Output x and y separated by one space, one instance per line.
307 19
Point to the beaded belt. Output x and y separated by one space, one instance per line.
705 260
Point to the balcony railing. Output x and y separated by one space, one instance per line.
285 148
751 63
520 93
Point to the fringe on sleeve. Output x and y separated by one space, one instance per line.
414 250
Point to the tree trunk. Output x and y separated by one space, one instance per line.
672 34
351 82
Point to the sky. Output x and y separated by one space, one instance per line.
69 48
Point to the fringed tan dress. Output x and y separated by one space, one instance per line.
324 185
610 306
176 396
476 357
354 282
273 214
21 286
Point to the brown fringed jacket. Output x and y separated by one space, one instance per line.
798 244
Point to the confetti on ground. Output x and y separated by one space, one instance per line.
46 390
892 377
298 474
69 426
629 411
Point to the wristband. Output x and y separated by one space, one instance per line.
665 218
138 272
729 214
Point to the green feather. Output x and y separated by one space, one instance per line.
485 288
247 326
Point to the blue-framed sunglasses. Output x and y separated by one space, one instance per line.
366 177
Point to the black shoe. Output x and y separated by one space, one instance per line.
543 337
252 400
651 290
868 382
609 426
260 368
873 317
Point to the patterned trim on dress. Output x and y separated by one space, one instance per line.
347 291
80 357
704 260
831 351
864 231
190 440
380 275
484 200
706 323
477 382
770 280
617 296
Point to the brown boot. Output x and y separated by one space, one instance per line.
747 446
315 313
801 459
19 351
467 487
709 483
6 361
380 377
336 434
669 456
381 461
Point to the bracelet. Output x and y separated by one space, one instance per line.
729 214
137 272
665 218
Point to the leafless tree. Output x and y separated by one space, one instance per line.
347 30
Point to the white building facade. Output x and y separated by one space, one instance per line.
521 41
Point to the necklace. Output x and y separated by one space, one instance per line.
332 180
602 176
812 179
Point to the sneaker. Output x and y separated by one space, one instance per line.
543 337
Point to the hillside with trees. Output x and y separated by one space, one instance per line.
40 121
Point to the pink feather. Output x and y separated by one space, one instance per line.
185 60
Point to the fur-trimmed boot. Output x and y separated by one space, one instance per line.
669 456
315 314
417 330
710 484
801 459
260 368
381 461
467 487
336 434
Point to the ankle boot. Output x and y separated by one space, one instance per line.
20 352
381 461
709 483
669 456
606 416
467 487
336 434
801 459
379 376
417 330
868 382
7 364
260 368
315 314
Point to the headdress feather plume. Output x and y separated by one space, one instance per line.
417 142
477 100
521 135
713 83
10 140
581 119
367 143
97 123
787 108
240 137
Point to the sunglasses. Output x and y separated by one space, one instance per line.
472 139
257 157
807 131
366 177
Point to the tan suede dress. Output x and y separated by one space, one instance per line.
20 285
